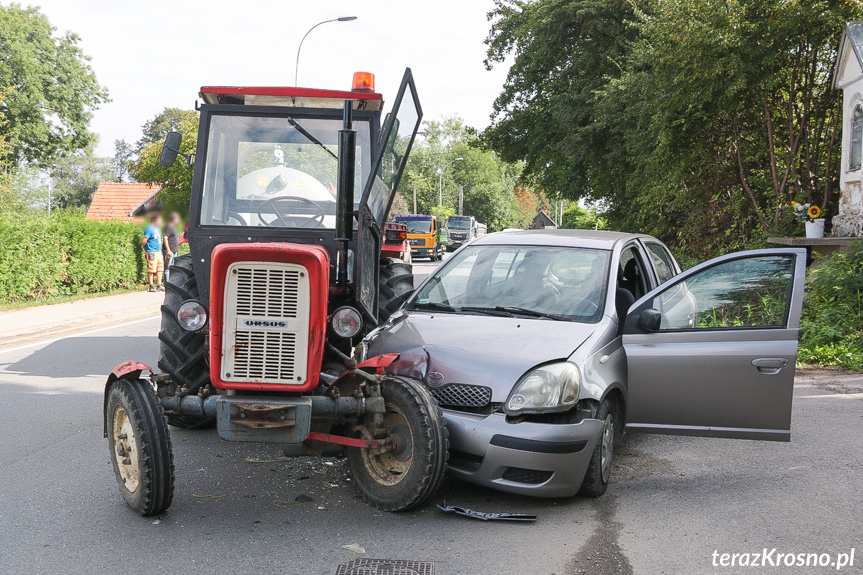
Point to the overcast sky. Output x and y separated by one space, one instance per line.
153 54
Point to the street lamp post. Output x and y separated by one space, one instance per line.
300 47
440 180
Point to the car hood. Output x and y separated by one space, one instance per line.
473 349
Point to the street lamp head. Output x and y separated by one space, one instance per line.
346 18
458 160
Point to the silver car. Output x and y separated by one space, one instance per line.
543 346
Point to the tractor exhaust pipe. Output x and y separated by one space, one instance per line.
345 200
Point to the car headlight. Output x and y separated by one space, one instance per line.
192 315
549 387
346 322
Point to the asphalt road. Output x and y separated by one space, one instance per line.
673 501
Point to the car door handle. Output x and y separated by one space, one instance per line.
770 365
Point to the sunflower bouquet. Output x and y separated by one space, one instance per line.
806 212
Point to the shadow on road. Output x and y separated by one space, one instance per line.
83 356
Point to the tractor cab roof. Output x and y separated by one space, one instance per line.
290 96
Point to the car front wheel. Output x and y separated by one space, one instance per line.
599 470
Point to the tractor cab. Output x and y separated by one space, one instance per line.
291 191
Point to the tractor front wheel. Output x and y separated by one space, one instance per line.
140 446
407 476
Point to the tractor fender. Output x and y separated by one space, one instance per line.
127 370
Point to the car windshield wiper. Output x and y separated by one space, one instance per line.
433 306
486 310
310 137
532 313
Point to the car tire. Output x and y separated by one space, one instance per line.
183 354
396 284
598 473
140 446
404 478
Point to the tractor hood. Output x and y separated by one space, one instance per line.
443 348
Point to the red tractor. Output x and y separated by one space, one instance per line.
285 276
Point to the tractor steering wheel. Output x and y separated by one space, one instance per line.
282 206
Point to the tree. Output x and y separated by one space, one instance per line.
487 180
168 120
578 218
76 176
694 120
52 89
176 180
122 160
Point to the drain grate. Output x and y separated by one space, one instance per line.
386 567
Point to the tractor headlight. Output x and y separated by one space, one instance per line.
192 315
549 387
346 322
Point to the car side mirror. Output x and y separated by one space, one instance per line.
171 148
650 320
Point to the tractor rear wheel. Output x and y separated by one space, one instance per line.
140 446
396 284
407 476
183 354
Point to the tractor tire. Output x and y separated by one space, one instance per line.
404 478
140 446
396 284
183 354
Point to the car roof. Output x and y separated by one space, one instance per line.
563 238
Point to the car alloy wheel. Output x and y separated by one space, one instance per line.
607 446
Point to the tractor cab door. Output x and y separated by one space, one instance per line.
712 351
397 137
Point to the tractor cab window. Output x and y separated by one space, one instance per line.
276 171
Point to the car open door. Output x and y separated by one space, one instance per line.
712 351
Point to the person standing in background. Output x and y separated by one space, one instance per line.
152 242
172 242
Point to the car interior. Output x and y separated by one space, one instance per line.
631 281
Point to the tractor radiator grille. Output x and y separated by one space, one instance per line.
460 395
261 355
266 323
267 292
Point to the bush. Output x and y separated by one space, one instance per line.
831 328
66 255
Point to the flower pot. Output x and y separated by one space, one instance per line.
815 229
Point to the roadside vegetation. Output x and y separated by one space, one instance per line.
832 322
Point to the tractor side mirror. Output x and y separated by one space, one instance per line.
650 320
171 148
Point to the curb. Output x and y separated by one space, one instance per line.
72 326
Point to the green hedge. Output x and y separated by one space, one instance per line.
67 254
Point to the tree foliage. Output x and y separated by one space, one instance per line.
694 120
488 181
76 176
51 89
176 180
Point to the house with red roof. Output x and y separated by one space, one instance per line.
122 201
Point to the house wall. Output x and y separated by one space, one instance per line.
849 220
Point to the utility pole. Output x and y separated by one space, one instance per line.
460 200
49 196
415 198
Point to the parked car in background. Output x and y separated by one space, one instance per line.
542 346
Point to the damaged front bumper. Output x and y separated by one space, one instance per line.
538 459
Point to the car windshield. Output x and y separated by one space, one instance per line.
539 281
276 171
417 226
458 224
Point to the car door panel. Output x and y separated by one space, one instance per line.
723 363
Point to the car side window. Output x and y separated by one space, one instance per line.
662 261
752 292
